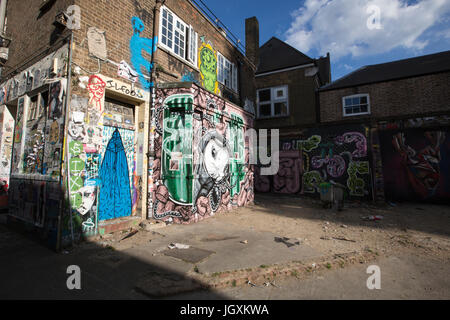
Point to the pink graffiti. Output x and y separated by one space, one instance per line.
287 180
203 206
262 183
360 143
335 165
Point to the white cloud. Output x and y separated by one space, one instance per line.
341 28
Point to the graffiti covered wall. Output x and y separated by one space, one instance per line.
35 190
201 164
416 163
102 175
338 154
6 143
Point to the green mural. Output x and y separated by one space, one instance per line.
311 181
237 163
208 68
356 185
310 144
177 147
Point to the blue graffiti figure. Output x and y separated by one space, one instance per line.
115 192
137 44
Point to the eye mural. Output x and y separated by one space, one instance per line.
203 167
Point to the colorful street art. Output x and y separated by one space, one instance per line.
337 154
101 161
115 193
201 163
416 164
137 45
6 140
208 67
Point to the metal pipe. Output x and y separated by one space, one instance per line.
63 156
2 15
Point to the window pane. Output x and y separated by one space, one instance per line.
348 110
355 101
264 110
356 109
364 108
363 100
280 93
348 101
280 109
264 95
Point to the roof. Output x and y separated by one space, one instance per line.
412 67
271 52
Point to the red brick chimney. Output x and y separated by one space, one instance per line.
252 40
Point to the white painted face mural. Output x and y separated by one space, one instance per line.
88 198
216 159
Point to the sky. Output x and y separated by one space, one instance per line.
355 32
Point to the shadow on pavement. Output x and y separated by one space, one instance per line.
29 270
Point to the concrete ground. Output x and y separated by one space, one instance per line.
280 248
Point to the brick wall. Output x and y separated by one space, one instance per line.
32 32
302 99
406 97
114 17
174 68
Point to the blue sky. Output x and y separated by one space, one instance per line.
406 28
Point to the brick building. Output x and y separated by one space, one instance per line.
405 105
286 82
126 110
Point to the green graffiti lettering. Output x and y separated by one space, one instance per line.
355 184
310 144
311 181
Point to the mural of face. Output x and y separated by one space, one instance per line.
88 199
138 25
208 68
96 87
76 130
216 159
97 42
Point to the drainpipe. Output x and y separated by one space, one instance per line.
241 100
152 122
2 15
63 155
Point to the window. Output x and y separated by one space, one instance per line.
273 102
356 105
226 72
178 37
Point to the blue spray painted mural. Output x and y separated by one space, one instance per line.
137 44
115 193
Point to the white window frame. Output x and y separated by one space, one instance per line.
190 38
223 64
273 100
355 96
